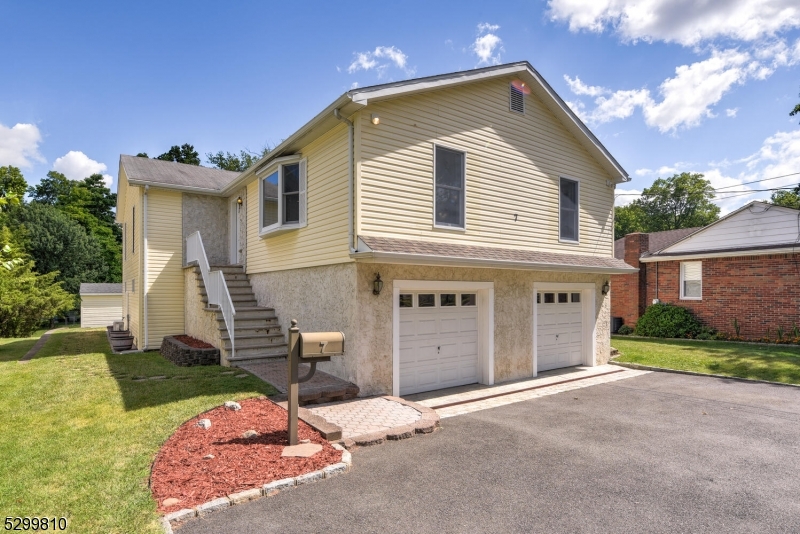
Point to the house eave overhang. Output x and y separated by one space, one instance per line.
187 188
451 261
720 254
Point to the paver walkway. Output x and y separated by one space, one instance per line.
321 388
367 416
37 346
468 399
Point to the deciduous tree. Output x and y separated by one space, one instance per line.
181 154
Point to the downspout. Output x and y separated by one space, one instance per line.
350 178
144 261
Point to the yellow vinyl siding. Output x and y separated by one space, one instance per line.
100 310
324 240
128 198
165 278
513 167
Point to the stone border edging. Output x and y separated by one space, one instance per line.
427 423
267 490
641 367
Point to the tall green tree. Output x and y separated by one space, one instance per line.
181 154
12 186
57 242
236 162
682 201
91 204
787 199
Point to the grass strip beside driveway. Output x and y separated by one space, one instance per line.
81 427
775 363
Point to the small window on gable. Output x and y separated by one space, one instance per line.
283 198
516 99
692 280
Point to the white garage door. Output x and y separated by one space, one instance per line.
559 326
438 340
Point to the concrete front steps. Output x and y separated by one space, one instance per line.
257 330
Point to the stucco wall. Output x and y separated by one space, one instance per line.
513 306
339 297
199 323
209 215
322 299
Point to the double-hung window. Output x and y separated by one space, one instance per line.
568 210
692 280
449 188
283 197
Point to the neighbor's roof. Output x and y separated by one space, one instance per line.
356 99
392 250
657 240
155 172
101 289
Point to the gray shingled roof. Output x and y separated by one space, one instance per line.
536 259
657 241
96 289
169 173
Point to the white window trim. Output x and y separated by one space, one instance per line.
588 293
682 296
578 211
439 226
485 293
281 227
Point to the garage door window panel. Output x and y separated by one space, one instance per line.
426 300
469 299
406 300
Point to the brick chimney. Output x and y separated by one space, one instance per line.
628 291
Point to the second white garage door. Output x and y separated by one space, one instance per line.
559 328
438 340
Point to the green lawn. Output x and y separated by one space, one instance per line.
80 427
776 363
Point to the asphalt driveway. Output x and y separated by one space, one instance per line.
656 453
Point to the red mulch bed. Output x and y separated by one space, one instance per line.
239 464
194 343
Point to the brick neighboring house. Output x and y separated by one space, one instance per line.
746 266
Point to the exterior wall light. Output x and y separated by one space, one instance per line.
375 118
606 288
239 201
377 285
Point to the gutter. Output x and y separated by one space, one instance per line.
350 178
452 261
190 188
728 254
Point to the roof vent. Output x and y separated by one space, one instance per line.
516 99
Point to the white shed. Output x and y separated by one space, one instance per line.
101 304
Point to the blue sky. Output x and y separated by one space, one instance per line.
667 85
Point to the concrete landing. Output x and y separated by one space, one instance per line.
322 388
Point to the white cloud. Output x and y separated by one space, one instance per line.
620 105
731 112
354 85
687 22
485 27
689 97
643 172
487 45
580 88
370 60
19 145
76 165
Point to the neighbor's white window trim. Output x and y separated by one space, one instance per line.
577 211
682 278
280 226
436 225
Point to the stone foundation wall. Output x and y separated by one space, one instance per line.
186 356
322 299
198 323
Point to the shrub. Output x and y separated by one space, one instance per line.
625 330
668 320
706 333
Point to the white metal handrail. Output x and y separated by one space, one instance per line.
216 288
